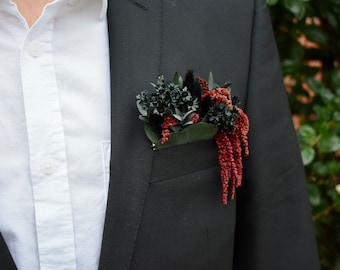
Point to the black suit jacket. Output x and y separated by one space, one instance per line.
164 208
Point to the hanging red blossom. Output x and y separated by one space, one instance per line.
230 141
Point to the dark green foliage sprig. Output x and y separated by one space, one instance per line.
168 98
222 116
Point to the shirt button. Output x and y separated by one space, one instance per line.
47 168
73 2
35 49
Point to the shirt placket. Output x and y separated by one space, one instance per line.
48 161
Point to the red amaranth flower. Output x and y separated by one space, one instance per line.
220 95
168 122
230 155
195 118
204 84
237 165
243 126
225 158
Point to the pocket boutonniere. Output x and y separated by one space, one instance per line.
193 109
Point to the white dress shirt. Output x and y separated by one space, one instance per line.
54 134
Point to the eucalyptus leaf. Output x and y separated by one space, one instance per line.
180 82
176 78
176 128
142 111
193 133
143 118
188 123
211 81
178 117
152 133
187 114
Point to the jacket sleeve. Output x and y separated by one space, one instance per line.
274 225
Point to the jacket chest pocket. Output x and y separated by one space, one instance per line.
184 223
180 160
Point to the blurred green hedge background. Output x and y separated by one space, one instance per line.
308 38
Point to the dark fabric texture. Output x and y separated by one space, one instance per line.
164 208
6 261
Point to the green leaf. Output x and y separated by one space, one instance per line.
290 67
272 2
316 86
337 262
324 114
178 117
193 133
336 116
308 154
333 167
329 143
141 110
332 19
334 195
336 100
178 80
211 81
320 169
335 77
152 133
296 52
327 96
316 33
307 134
297 7
314 194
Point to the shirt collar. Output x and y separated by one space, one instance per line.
5 3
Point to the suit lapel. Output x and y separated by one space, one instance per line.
6 261
135 61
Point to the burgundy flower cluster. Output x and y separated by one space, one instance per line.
230 143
